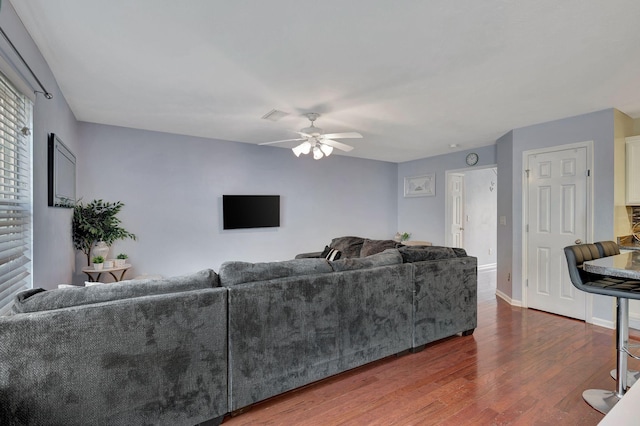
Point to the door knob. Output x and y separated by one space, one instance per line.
578 241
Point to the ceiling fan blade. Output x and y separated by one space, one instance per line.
347 135
305 135
284 140
341 146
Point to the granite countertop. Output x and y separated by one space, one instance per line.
628 243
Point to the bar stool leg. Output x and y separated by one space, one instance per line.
603 400
632 375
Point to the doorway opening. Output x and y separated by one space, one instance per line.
472 220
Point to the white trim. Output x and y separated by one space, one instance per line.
16 78
603 323
507 299
487 267
589 221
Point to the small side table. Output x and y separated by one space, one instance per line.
94 274
416 243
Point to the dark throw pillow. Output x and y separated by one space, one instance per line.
370 247
348 246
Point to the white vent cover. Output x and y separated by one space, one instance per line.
274 115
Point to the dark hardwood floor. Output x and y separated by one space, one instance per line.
520 367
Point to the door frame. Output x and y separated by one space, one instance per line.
588 311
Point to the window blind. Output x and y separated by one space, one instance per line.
15 193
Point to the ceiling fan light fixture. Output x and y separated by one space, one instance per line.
317 153
326 149
297 150
322 144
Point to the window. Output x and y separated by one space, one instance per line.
15 193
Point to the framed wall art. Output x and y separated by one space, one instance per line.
420 186
62 174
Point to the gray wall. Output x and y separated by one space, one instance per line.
596 127
504 238
424 217
172 187
53 255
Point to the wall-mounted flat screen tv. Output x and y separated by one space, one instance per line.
250 211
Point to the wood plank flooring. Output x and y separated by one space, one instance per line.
520 367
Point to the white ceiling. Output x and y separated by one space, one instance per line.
412 76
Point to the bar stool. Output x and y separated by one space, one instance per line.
603 400
610 248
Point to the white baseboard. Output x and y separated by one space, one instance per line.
603 323
488 266
509 300
634 322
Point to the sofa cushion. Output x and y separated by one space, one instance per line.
232 273
411 254
348 246
387 257
330 253
370 247
40 300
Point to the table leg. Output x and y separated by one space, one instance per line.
91 279
118 278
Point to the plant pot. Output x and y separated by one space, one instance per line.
98 266
120 263
101 249
108 264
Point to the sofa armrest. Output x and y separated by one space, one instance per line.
445 298
311 255
159 359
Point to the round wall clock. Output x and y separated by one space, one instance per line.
472 159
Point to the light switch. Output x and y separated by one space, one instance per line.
503 220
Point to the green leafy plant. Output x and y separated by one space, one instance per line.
122 256
97 259
97 221
405 236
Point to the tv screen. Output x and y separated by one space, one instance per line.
250 211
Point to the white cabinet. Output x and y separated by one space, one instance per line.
633 170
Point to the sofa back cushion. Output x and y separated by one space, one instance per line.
37 299
370 247
232 273
387 257
411 254
348 246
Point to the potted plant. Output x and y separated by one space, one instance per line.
121 259
405 236
94 222
98 262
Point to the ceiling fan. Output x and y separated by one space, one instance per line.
314 140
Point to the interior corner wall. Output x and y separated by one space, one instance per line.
504 243
172 188
597 127
53 255
424 217
623 222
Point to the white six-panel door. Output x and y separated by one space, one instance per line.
556 218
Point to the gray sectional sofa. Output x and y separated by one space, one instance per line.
192 349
